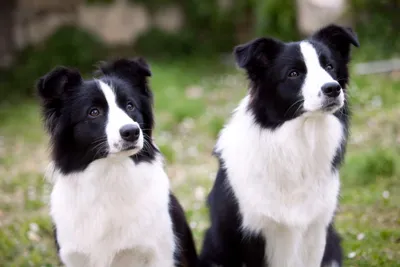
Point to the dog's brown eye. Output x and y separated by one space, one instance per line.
94 112
130 107
293 74
329 67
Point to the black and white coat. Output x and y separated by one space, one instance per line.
277 187
111 202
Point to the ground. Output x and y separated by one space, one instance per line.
192 102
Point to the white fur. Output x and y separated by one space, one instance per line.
114 214
315 79
115 120
284 182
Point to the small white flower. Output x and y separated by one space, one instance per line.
376 102
360 236
385 194
351 255
34 227
199 193
32 233
32 236
193 225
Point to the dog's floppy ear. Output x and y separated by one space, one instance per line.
56 82
338 38
256 52
51 88
126 68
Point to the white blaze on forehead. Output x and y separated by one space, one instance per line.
316 77
116 118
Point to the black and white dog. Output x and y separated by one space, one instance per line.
277 187
111 202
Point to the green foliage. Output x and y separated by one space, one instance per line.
207 30
212 29
216 125
26 243
213 26
276 18
168 153
156 42
374 164
68 46
377 24
99 2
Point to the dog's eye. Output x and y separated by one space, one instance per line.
293 74
329 67
94 112
130 106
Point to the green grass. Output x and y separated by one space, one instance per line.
192 103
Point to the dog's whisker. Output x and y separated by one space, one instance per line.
297 102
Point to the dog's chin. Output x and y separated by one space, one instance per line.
331 107
126 150
326 107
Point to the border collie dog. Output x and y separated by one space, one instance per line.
111 203
276 191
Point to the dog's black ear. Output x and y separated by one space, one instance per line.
126 68
51 88
257 52
58 81
338 38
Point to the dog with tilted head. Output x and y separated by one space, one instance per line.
111 202
276 190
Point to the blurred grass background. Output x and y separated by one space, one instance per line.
195 91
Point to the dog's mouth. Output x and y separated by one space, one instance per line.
127 147
331 105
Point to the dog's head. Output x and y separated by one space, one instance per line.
108 116
291 79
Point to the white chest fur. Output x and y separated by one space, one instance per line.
283 180
114 214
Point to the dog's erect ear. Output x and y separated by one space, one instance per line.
56 82
51 88
126 68
338 38
256 52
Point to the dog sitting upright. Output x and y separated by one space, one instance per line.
276 190
111 203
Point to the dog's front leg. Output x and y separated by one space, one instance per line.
314 245
167 262
283 244
77 259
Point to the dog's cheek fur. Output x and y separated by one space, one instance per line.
274 100
77 139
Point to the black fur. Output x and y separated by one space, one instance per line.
185 254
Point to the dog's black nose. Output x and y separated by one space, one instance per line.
331 89
130 132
